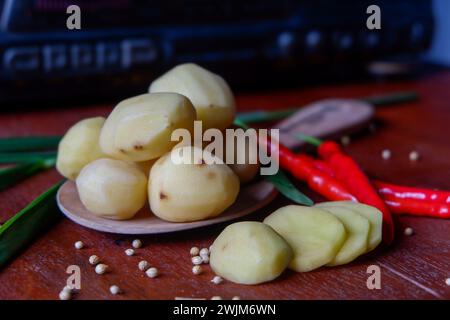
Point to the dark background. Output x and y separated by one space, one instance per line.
255 45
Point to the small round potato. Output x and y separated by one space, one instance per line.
191 191
79 146
140 128
209 93
249 253
112 189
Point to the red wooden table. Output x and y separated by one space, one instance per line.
415 267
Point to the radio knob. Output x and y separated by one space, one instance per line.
313 39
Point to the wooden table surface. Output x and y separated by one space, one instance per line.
415 267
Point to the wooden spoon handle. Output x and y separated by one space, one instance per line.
325 118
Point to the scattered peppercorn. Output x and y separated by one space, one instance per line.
68 288
101 268
152 272
65 295
413 156
197 260
114 289
204 252
197 270
386 154
129 252
217 280
409 231
94 259
194 251
136 243
79 245
143 265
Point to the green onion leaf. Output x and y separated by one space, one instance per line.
238 122
309 139
286 188
15 144
23 227
262 116
21 157
11 176
392 98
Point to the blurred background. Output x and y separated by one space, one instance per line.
124 44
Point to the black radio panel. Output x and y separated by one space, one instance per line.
123 44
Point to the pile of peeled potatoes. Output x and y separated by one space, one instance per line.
122 162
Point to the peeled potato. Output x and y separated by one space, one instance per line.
372 214
315 235
112 189
249 253
208 92
140 128
244 168
79 146
190 192
357 228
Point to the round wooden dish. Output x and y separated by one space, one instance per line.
251 198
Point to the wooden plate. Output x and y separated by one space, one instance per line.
251 198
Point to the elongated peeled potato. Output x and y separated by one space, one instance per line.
191 191
315 235
79 146
140 128
208 92
112 189
249 253
357 228
372 214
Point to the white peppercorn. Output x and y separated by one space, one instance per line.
197 260
79 245
114 289
94 259
152 272
197 270
136 243
143 265
101 268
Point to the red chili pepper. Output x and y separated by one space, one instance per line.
418 207
303 168
323 166
406 200
403 192
348 172
330 188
